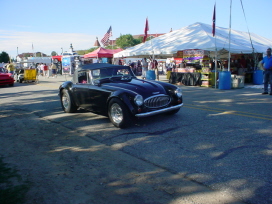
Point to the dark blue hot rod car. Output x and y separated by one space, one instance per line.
114 91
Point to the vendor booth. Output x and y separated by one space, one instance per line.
102 53
199 37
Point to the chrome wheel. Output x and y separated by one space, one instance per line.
65 101
116 113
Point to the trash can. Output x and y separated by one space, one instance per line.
225 80
150 75
258 77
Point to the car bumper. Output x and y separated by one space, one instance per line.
165 110
6 82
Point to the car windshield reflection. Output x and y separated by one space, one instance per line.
112 73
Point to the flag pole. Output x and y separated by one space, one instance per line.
32 50
215 64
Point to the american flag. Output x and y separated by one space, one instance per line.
106 37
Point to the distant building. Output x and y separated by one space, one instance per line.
31 54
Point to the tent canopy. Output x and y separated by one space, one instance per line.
102 52
198 36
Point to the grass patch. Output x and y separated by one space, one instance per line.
12 188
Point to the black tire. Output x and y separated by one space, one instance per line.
173 112
11 84
66 102
119 114
20 80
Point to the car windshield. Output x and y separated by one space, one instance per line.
2 70
111 72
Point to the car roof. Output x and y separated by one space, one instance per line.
99 66
95 66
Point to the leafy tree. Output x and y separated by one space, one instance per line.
139 40
110 47
38 54
92 49
4 57
26 55
81 52
53 53
125 41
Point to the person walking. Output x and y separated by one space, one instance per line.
144 68
42 69
54 70
45 71
155 67
267 64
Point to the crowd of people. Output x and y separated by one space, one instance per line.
44 70
140 67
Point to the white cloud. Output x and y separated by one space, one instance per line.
43 42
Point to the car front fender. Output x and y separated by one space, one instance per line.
127 99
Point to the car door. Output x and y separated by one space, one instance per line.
81 90
98 97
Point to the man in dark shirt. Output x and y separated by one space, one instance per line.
267 64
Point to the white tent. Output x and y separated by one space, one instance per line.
198 36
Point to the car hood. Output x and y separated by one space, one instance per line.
4 76
142 87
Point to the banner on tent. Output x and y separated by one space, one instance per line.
192 54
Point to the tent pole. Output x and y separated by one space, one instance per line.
229 36
215 65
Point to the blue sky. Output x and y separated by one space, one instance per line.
53 24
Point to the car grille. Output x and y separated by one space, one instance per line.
157 101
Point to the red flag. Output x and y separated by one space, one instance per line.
213 25
145 30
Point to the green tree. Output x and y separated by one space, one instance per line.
26 55
110 47
125 41
140 39
92 49
53 53
83 52
38 54
4 57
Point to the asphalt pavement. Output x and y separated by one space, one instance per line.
217 149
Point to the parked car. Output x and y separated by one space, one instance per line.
19 75
3 70
6 79
114 91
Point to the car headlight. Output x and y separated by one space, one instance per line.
178 92
138 100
